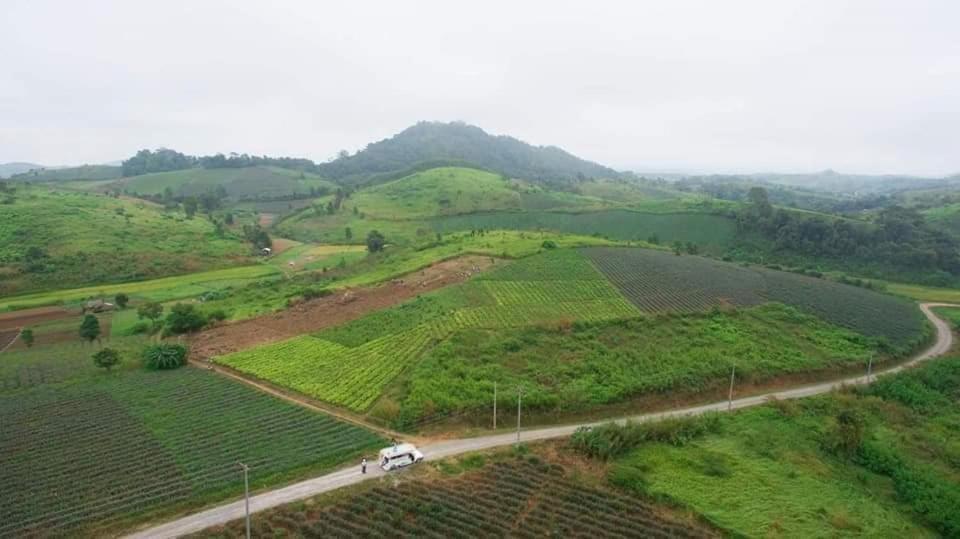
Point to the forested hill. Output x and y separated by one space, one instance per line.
458 142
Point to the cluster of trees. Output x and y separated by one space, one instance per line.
162 160
899 237
235 160
257 236
165 160
444 142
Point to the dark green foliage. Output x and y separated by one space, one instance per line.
549 244
900 237
375 241
612 440
90 328
927 491
184 318
164 356
432 142
27 337
150 310
257 236
106 358
926 390
121 300
844 435
161 160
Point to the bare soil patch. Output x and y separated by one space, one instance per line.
344 306
32 317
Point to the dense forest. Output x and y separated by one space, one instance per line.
439 142
898 237
165 160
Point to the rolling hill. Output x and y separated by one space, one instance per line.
413 209
242 183
57 239
433 142
10 169
83 172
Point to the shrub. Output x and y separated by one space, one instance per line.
313 293
549 244
613 439
106 358
184 318
164 356
216 315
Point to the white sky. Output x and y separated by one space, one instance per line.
724 86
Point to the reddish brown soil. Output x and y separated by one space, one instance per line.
344 306
32 317
266 219
280 245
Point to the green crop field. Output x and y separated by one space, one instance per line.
704 229
82 456
526 497
240 183
351 365
575 370
85 238
656 281
164 289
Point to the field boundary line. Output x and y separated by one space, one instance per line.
289 396
11 343
351 475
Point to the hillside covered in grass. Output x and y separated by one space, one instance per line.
58 239
881 461
413 209
253 182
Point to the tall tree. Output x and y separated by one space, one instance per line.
90 328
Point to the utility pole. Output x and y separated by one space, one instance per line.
519 398
733 373
494 406
246 493
869 369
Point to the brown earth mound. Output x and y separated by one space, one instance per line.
344 306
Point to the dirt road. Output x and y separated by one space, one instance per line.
304 489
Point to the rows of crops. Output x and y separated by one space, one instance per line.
700 228
516 499
352 365
662 282
82 456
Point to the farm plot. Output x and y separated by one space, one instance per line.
80 457
503 499
7 336
662 282
351 365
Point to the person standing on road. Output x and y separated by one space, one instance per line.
363 465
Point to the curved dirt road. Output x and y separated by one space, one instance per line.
332 481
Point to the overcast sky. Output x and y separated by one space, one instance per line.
731 86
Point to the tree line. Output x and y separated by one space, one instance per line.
898 237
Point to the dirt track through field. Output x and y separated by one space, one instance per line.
439 450
31 317
344 306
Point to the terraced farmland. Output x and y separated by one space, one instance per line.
79 457
504 499
351 365
657 281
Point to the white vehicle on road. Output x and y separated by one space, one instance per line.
398 456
